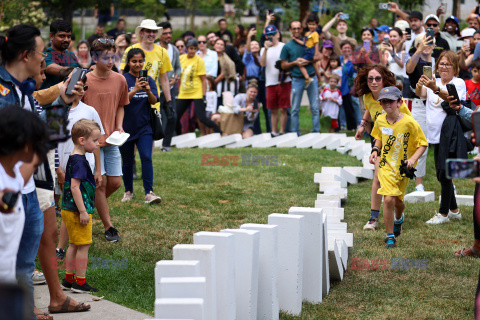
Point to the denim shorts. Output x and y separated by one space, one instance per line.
111 161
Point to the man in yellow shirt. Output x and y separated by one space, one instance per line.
157 61
400 138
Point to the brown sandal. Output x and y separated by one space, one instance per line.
66 307
463 253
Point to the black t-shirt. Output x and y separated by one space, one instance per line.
233 54
416 74
440 45
220 34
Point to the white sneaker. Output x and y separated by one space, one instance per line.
152 198
455 189
38 277
438 218
127 196
420 187
454 215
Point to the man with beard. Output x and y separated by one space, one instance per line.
59 60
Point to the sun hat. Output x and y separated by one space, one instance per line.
150 25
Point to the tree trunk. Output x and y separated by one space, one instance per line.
192 15
456 8
304 7
67 12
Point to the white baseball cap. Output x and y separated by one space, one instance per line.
402 25
467 32
150 25
431 16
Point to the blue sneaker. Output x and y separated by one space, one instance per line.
397 226
390 242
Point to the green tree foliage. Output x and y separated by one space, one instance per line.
21 11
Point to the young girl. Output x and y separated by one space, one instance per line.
211 106
402 139
334 67
331 99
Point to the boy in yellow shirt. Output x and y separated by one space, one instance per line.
310 42
400 139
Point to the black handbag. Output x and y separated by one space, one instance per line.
156 123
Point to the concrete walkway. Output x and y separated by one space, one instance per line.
103 309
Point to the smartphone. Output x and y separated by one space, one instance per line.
344 16
10 199
366 45
452 91
143 75
476 127
431 34
253 26
384 6
386 40
467 42
77 75
57 121
427 71
408 30
462 169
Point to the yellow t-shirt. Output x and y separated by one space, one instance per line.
190 82
312 39
156 62
399 142
375 108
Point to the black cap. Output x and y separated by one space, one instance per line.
416 14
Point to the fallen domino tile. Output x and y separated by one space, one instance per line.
307 140
195 142
183 287
335 142
330 184
224 270
360 172
341 192
312 254
249 141
170 308
182 138
223 141
327 203
462 200
342 150
334 197
419 196
322 141
290 261
343 249
366 163
290 143
274 141
340 172
336 226
326 178
267 306
175 268
246 271
348 237
206 255
335 261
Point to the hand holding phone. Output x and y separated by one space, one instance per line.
476 127
452 91
462 169
78 74
427 71
366 45
9 200
430 33
384 6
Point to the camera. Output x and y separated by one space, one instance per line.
384 6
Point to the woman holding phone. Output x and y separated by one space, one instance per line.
368 52
142 95
435 91
368 84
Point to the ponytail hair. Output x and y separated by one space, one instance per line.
18 39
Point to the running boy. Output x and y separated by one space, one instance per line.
402 139
78 204
310 42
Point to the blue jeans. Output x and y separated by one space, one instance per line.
27 252
356 107
342 119
297 92
144 146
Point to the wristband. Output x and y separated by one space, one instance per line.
375 149
437 91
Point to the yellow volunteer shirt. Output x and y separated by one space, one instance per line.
190 82
375 108
312 39
156 62
399 142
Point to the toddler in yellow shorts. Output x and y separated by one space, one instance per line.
78 205
399 137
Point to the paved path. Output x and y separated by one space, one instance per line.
103 309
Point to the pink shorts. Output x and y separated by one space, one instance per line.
278 96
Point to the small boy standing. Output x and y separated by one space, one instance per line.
473 85
331 100
399 137
310 42
78 204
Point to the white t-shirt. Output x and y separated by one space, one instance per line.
30 185
434 110
11 226
212 99
82 111
271 73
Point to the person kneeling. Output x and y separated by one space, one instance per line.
399 137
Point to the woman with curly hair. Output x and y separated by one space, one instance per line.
368 83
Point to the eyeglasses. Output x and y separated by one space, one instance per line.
210 38
445 65
202 41
44 54
106 40
432 25
170 32
377 79
150 31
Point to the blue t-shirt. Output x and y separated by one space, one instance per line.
64 59
252 69
79 168
348 72
137 113
291 51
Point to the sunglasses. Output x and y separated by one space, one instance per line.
432 25
202 41
377 79
106 40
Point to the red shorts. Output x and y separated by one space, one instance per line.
278 96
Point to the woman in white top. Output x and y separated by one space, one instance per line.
435 91
393 53
209 57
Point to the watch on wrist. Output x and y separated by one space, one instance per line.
437 91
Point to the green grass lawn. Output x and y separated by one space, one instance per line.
197 198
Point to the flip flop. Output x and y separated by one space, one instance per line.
473 253
44 316
66 307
